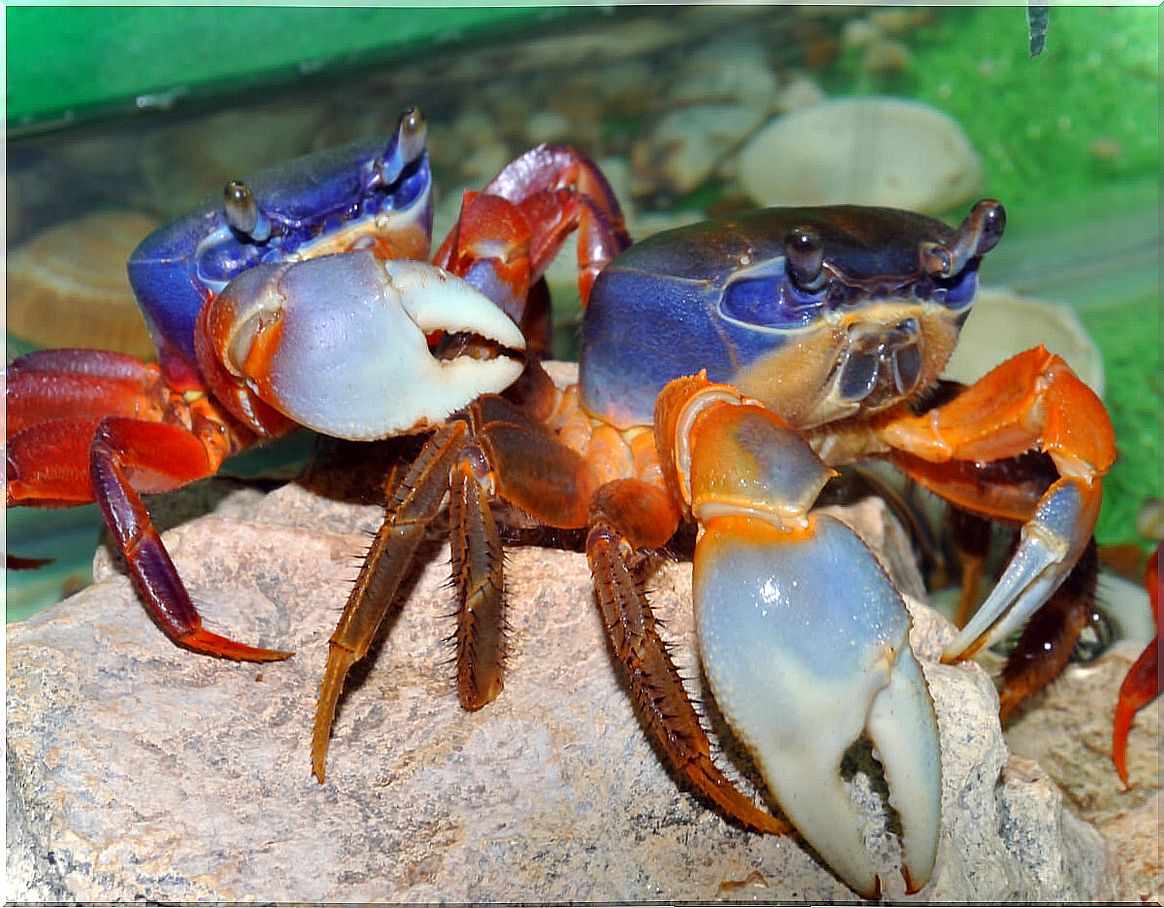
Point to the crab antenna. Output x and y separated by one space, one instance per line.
243 212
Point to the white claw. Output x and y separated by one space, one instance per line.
805 643
338 343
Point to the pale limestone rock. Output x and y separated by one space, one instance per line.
136 770
1067 729
862 151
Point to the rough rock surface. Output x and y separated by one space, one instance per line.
138 771
1067 729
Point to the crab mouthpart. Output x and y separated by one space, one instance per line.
880 365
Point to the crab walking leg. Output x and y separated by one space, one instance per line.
54 400
63 449
1047 642
629 515
550 191
1033 401
478 576
117 452
1141 685
804 638
493 450
415 501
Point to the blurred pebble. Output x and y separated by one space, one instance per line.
1150 521
185 164
67 287
1003 323
868 151
1105 148
548 126
709 112
884 56
799 91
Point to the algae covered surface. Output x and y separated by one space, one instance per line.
1082 113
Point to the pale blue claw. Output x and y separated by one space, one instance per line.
340 343
1050 544
805 642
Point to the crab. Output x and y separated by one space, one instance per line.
727 369
338 239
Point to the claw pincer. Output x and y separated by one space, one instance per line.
803 638
338 343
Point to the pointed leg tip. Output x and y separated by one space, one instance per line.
208 644
912 886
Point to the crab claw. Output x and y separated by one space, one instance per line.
341 343
805 643
802 635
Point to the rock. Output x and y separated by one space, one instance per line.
866 151
139 771
67 287
1004 323
1067 729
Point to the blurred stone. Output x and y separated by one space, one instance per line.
139 771
863 151
706 115
67 287
189 162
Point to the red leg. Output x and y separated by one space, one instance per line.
1141 685
97 426
551 191
117 457
55 400
1045 646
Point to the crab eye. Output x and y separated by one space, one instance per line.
242 211
804 252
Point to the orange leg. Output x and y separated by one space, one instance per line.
95 426
414 502
1141 685
1032 402
495 450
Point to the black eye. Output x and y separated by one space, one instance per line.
804 252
